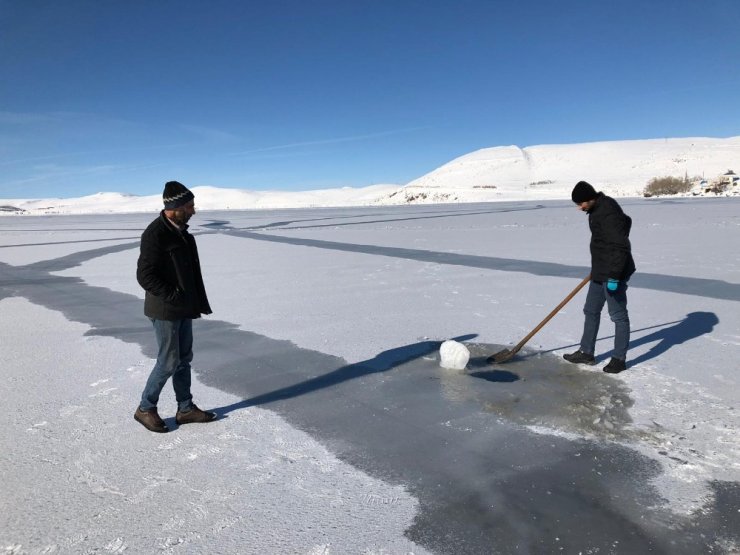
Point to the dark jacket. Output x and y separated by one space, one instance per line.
611 252
169 271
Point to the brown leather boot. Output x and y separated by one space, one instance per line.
194 415
150 420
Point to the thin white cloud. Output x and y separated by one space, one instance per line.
79 124
91 152
28 118
60 117
330 141
209 134
52 172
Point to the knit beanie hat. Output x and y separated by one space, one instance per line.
582 192
175 195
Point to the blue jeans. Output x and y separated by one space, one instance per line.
175 341
616 302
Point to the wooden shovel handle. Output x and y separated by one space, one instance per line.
553 313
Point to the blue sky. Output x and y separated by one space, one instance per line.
297 94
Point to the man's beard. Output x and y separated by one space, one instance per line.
180 217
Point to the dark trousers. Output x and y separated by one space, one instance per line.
616 302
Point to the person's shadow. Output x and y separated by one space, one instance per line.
694 325
382 362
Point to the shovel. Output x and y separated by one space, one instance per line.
506 354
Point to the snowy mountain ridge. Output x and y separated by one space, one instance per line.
619 168
503 173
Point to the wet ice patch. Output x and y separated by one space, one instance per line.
453 355
547 393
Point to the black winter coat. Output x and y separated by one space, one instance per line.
611 252
169 271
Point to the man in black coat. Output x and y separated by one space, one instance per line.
169 271
611 267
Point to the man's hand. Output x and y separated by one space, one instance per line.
612 284
174 296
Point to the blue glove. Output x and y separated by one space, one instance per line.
612 284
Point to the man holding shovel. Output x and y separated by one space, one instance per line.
611 267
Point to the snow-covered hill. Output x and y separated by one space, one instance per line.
207 198
619 168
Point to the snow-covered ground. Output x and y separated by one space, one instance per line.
353 298
504 173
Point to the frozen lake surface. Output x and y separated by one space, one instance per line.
339 431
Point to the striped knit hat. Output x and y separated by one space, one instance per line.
176 195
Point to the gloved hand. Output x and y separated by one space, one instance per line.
612 284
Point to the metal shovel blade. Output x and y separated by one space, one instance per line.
501 356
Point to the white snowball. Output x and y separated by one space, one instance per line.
453 355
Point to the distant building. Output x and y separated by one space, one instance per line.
729 178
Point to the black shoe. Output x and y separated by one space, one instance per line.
615 366
150 420
194 415
579 357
